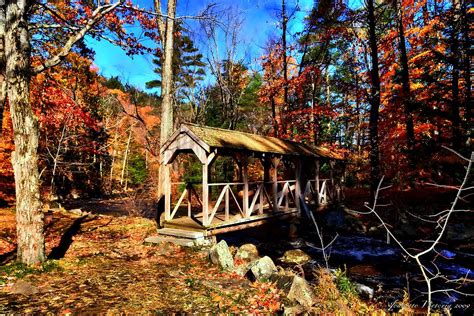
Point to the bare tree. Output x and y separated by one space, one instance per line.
441 219
223 38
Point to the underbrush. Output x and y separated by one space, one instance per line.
19 270
337 294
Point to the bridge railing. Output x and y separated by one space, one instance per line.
229 197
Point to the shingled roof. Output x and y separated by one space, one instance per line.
234 140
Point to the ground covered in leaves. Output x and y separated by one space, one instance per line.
99 264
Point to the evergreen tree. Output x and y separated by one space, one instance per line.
188 68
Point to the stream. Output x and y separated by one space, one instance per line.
371 262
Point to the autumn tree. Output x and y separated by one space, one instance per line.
374 99
24 21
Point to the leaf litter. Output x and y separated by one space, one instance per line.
107 269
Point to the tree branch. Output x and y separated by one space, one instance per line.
97 15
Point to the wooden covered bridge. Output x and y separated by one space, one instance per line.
287 173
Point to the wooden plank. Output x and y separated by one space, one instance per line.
205 194
245 180
193 189
227 203
253 221
254 200
268 198
236 202
253 218
179 203
216 207
190 196
260 205
298 184
274 175
167 192
282 196
180 233
317 183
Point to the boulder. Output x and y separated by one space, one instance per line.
247 253
220 255
23 287
263 268
295 256
76 211
242 269
295 288
364 291
294 310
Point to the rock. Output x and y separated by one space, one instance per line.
364 291
76 211
293 310
242 269
334 218
247 253
295 256
263 268
23 287
220 255
459 232
295 288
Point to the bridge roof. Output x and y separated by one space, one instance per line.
217 138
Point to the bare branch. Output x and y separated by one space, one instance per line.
456 153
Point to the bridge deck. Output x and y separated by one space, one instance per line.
219 225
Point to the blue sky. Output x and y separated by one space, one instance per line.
259 24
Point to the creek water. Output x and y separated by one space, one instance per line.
371 262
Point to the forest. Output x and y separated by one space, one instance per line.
380 89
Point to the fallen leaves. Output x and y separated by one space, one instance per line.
108 269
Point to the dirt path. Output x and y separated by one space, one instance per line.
108 269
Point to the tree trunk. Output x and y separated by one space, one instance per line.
406 94
166 127
125 156
467 67
274 116
285 66
374 102
29 216
455 104
3 82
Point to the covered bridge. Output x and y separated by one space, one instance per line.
213 207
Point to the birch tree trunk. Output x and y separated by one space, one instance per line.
29 216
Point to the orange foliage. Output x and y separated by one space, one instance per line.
7 186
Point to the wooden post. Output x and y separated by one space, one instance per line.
274 175
205 194
317 183
266 178
167 191
227 203
245 180
298 184
190 196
